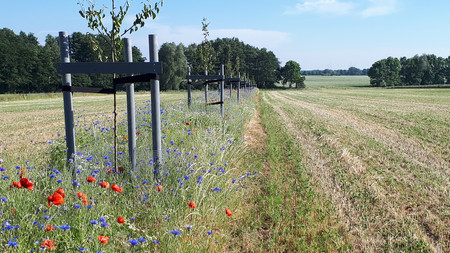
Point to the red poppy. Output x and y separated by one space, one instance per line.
192 205
159 188
188 123
48 244
120 169
228 212
83 197
91 179
138 133
16 184
61 192
103 239
116 188
104 184
120 220
56 199
50 228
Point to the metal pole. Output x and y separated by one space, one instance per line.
189 87
206 92
68 104
239 88
231 89
222 87
156 110
131 113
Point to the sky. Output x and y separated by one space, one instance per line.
318 34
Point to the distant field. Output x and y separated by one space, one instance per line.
337 81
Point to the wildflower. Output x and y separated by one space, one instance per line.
91 179
61 192
103 239
159 188
104 184
77 206
228 212
93 222
142 239
192 205
46 217
117 188
65 227
56 198
155 241
209 232
80 248
12 243
121 169
120 220
16 184
75 183
188 123
138 133
83 197
133 242
175 232
50 228
48 244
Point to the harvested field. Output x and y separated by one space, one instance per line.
382 157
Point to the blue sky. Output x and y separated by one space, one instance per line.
318 34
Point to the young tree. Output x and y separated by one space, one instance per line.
96 21
206 50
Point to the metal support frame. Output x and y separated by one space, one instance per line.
151 70
207 80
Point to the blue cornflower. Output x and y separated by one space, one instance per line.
186 178
78 171
93 222
13 243
46 217
80 249
104 224
175 232
209 232
2 169
59 181
233 181
133 242
142 239
195 156
212 154
144 182
155 241
56 171
75 183
101 219
3 199
88 207
76 206
52 176
65 227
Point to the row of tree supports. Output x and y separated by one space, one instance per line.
149 73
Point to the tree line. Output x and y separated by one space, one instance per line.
425 69
352 71
27 67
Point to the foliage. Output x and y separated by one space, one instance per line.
174 65
291 74
418 70
352 71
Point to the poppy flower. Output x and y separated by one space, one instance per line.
16 184
120 169
188 123
61 192
103 239
117 188
192 205
228 212
83 197
56 199
120 220
124 137
159 188
48 244
91 179
138 133
50 228
104 184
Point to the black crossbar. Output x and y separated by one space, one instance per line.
210 77
232 79
215 103
109 68
136 79
88 89
213 81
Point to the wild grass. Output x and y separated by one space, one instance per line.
199 152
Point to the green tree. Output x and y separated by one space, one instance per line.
206 50
174 65
291 74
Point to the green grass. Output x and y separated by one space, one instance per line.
336 81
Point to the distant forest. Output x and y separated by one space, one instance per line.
352 71
28 67
421 70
